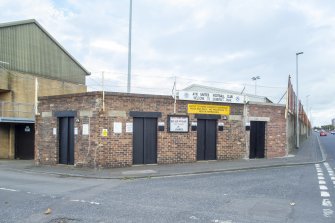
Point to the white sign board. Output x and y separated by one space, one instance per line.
86 129
211 97
178 124
54 131
117 127
76 131
129 127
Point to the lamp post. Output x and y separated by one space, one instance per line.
129 47
297 101
255 79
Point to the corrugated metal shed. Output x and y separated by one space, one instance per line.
249 97
29 48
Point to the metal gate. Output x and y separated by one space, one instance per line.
145 140
66 140
206 139
257 139
24 141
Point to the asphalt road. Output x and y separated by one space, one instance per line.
286 194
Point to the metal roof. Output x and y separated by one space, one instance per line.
33 21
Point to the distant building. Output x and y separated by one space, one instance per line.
32 64
333 121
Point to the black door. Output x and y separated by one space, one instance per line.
257 139
145 141
66 140
24 141
206 139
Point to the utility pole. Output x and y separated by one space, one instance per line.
129 47
297 101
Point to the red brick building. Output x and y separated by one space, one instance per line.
127 129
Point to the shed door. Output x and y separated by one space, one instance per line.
206 139
66 140
24 141
145 141
257 139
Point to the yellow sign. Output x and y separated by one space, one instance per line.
208 109
104 132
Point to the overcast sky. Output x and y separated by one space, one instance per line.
220 43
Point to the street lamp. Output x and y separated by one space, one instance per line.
255 79
297 101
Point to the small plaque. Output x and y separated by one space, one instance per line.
117 127
54 131
86 129
104 132
129 127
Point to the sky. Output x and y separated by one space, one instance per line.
218 43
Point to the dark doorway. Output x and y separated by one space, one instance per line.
145 140
24 141
206 139
66 140
257 139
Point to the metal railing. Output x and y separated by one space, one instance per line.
17 110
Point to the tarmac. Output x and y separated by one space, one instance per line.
309 152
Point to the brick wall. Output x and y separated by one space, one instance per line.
275 129
116 150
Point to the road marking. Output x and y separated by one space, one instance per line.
194 218
83 201
327 203
327 212
322 182
323 187
8 189
222 221
324 194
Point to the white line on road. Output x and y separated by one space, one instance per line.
323 187
320 174
322 182
327 203
8 189
321 178
83 201
327 213
324 194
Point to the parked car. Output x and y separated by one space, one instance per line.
332 132
322 133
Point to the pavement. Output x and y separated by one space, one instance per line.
310 152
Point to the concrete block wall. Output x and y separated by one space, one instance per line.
20 88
